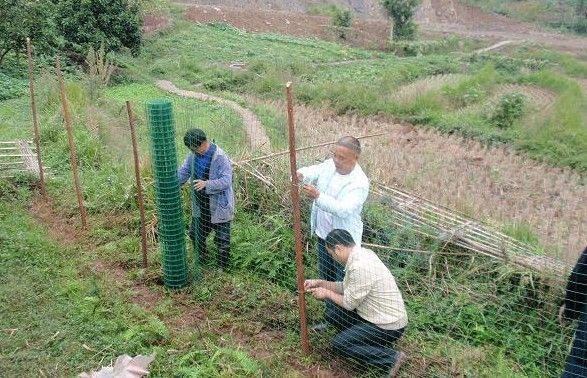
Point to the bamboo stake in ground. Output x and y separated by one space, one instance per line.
35 121
139 185
297 223
72 151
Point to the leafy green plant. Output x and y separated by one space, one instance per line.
342 21
11 87
509 109
402 13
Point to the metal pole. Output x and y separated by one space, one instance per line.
297 223
72 153
35 120
139 185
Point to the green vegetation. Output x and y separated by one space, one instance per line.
69 27
509 109
470 315
341 17
569 16
402 13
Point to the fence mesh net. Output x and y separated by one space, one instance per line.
475 300
170 215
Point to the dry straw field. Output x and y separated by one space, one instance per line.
492 184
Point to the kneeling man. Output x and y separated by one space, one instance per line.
370 311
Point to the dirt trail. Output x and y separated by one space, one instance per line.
453 17
258 140
496 185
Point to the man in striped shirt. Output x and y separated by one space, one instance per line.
370 311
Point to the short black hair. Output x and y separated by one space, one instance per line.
339 237
351 143
193 138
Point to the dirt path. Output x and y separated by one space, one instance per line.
453 17
495 46
257 138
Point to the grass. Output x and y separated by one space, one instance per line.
73 307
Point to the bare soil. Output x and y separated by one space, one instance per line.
367 33
371 29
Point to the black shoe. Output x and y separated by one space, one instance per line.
320 327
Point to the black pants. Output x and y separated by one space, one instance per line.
362 340
576 365
200 228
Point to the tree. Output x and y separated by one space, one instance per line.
402 14
20 19
89 23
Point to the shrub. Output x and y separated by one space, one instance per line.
342 21
11 87
116 23
402 13
509 109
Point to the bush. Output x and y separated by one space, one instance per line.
342 21
11 87
116 23
343 18
580 27
509 109
402 13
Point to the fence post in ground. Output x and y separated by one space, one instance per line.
297 222
35 120
135 152
72 150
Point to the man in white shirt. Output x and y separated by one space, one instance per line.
370 311
339 188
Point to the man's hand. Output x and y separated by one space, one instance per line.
320 293
311 191
312 284
200 184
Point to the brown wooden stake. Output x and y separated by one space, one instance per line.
297 223
37 138
72 151
139 185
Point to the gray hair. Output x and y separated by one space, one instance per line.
351 143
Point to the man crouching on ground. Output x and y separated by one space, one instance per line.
370 311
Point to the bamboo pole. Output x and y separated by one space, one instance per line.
139 184
37 137
72 151
281 153
297 222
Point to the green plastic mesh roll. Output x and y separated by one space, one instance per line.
171 225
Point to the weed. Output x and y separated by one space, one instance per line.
508 110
